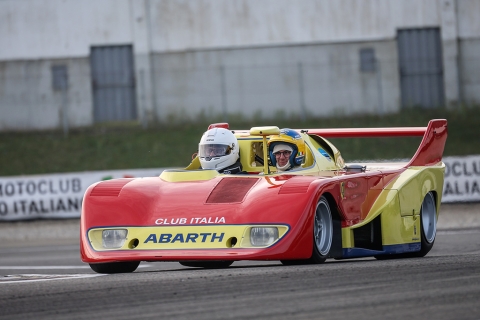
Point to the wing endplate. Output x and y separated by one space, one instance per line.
431 148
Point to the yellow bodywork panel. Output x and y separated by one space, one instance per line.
399 206
184 237
264 131
414 184
187 175
195 164
323 163
252 153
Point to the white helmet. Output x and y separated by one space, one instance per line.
218 149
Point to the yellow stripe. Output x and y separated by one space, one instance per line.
184 237
187 175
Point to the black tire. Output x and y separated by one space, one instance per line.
206 264
322 235
428 224
115 267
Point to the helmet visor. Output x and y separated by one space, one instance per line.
213 150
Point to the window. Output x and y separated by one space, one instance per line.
59 77
367 60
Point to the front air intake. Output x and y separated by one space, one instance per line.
369 236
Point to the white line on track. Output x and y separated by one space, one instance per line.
55 267
20 278
459 231
42 267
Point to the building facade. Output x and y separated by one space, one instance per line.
68 63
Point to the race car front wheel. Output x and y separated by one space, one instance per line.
322 234
322 231
115 267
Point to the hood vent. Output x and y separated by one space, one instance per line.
231 190
109 188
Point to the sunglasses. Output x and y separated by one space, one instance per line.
285 153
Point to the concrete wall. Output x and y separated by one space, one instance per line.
318 80
277 56
37 34
35 29
201 24
52 29
468 12
28 100
469 71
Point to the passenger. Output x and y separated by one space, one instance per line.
218 149
286 150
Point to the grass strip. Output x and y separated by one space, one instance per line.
129 146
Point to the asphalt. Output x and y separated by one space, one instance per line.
66 231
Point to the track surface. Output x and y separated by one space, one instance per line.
443 285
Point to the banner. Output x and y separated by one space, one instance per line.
462 179
60 195
54 195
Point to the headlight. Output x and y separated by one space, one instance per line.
263 236
114 238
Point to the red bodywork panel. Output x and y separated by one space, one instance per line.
369 132
142 201
283 199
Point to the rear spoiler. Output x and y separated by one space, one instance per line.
428 153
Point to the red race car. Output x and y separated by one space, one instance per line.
321 207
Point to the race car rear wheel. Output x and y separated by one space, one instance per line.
322 234
428 222
206 264
115 267
428 230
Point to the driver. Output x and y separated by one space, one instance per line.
218 149
286 150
